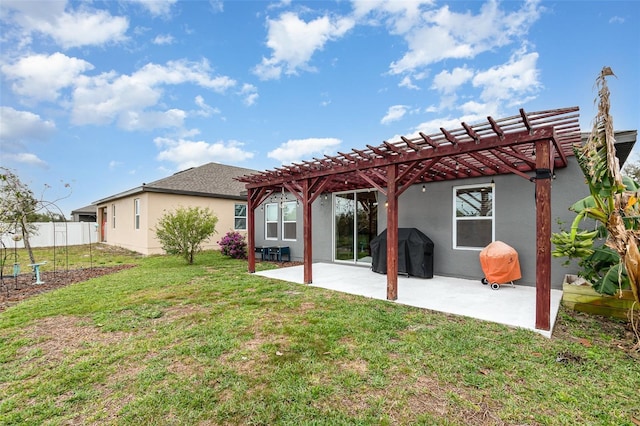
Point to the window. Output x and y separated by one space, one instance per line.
113 215
136 213
473 225
271 221
289 220
240 217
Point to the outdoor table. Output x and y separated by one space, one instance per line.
277 252
264 252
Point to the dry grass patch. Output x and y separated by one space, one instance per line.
61 336
180 312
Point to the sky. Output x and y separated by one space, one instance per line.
98 97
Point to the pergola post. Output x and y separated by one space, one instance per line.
543 234
392 233
307 228
251 239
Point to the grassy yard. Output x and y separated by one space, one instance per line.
64 258
208 344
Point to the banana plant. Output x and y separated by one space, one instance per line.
604 271
613 200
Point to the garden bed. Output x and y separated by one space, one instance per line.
16 289
580 296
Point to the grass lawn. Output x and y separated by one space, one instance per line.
207 344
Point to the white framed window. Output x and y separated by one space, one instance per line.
113 216
473 218
289 223
136 213
271 221
240 217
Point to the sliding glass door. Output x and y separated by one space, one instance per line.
355 225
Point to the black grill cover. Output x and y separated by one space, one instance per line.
415 253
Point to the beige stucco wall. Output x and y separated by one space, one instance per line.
152 207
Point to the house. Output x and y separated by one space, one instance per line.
509 179
128 219
84 214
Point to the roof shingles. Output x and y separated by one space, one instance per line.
211 179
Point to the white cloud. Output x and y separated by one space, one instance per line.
217 6
113 164
199 100
297 149
443 34
186 153
616 20
68 28
480 109
397 15
18 126
448 82
26 158
86 28
157 7
148 120
163 39
108 97
34 9
205 110
510 81
41 77
394 113
433 126
294 41
250 94
407 82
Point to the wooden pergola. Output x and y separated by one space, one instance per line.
530 145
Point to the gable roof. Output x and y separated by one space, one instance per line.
209 180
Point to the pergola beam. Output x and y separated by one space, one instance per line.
470 148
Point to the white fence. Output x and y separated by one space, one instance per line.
50 234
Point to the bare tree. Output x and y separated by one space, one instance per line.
17 205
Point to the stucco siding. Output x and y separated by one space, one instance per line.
515 221
152 207
321 231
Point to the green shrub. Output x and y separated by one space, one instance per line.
182 232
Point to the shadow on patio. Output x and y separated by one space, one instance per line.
515 307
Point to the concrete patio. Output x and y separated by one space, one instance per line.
512 306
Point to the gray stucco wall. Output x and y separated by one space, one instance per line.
432 213
321 228
515 221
